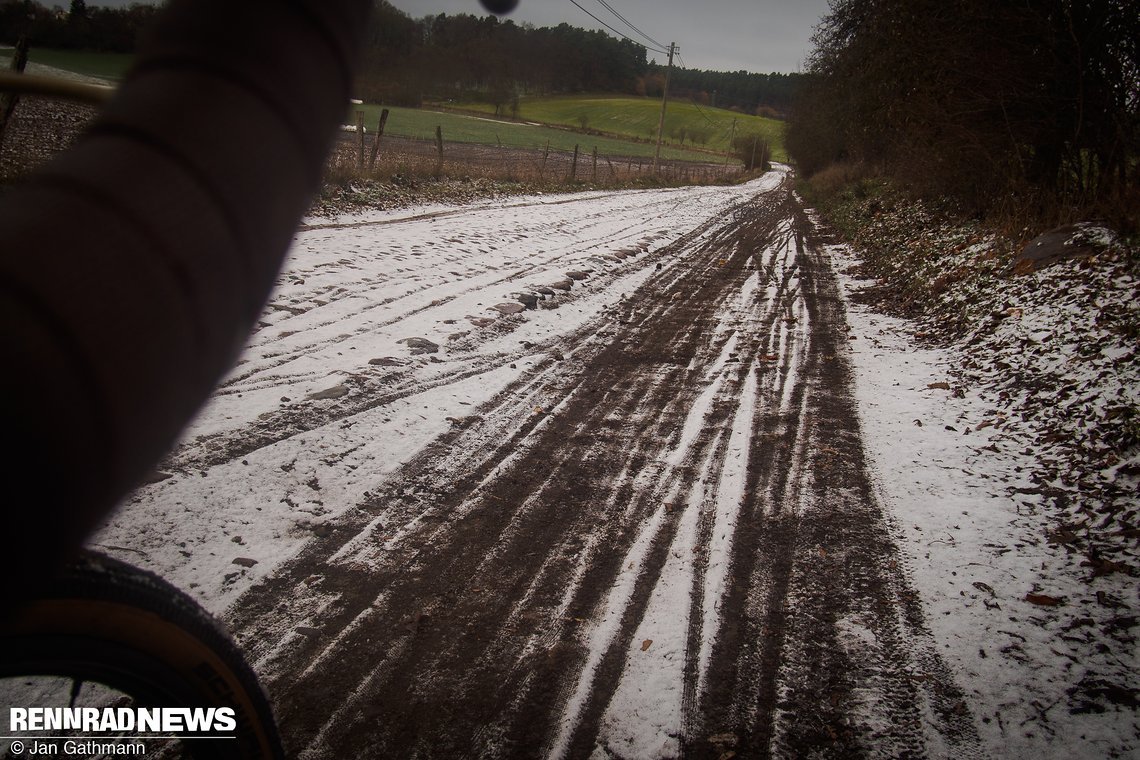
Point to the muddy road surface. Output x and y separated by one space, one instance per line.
657 536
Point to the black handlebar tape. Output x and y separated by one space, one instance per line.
133 267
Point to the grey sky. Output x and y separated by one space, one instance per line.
723 35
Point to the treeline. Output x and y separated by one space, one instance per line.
455 56
110 30
761 94
1006 105
442 56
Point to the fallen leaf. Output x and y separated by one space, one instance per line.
1106 567
1062 536
939 386
1043 600
646 644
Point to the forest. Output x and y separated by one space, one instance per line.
1006 107
106 30
460 56
408 61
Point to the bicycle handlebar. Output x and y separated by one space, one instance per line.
136 263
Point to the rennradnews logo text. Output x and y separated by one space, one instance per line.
164 720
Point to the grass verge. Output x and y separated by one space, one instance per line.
399 181
111 66
1052 349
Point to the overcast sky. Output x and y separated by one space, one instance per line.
723 35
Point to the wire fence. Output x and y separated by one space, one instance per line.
42 127
386 155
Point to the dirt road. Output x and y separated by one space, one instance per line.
656 537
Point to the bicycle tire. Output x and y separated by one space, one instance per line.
105 621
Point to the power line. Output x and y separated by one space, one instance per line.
695 105
629 23
615 31
705 117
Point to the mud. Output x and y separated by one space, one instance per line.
666 544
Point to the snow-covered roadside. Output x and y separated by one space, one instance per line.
1046 657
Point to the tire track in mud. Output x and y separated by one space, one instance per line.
825 652
692 481
372 387
583 241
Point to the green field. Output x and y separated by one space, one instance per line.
103 65
638 117
629 124
419 123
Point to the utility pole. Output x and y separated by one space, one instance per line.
728 154
664 98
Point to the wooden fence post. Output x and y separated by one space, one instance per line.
8 102
379 134
574 163
545 154
594 177
360 139
439 149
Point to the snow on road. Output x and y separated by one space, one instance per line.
630 520
358 307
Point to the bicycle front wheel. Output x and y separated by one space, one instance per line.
139 642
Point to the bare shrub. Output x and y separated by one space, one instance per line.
1019 109
753 152
403 160
839 176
